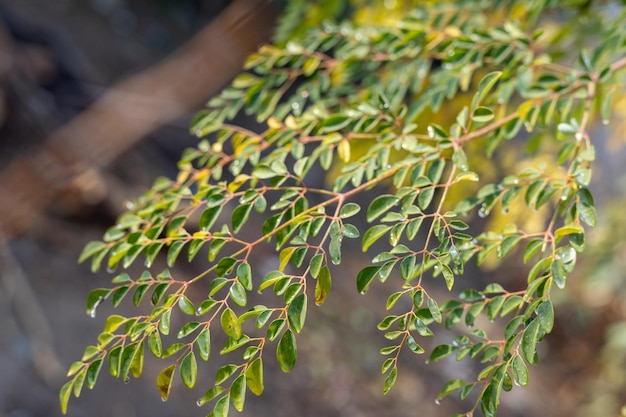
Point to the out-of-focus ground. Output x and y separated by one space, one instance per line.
65 55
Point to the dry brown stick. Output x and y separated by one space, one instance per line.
114 123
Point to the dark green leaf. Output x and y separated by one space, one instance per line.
365 277
440 352
94 299
529 341
379 206
286 351
244 275
520 372
425 197
296 312
511 304
92 373
203 343
208 217
225 266
545 316
240 216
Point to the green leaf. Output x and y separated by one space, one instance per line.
115 360
433 307
158 292
208 217
373 234
187 329
238 392
482 114
64 395
334 123
186 306
413 346
230 324
221 407
494 305
286 351
92 373
323 285
448 275
112 323
529 341
507 245
244 275
435 171
380 205
413 227
254 377
390 380
240 216
425 197
91 249
511 304
224 372
558 273
545 316
533 247
94 299
210 395
189 370
450 387
203 343
587 213
296 312
215 248
238 294
520 371
350 231
224 266
128 358
349 210
164 323
440 352
164 381
484 86
154 344
365 277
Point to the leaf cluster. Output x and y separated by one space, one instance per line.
354 99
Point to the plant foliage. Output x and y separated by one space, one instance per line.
362 101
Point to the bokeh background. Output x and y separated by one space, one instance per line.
96 97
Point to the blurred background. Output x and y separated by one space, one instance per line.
96 97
